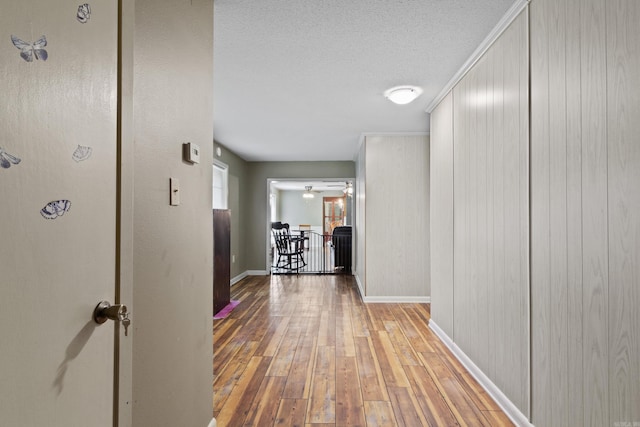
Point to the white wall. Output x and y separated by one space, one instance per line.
173 256
295 210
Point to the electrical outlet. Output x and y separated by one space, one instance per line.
233 258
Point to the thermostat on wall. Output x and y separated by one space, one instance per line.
192 153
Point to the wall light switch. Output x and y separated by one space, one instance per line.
174 191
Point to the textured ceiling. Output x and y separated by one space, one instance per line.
303 79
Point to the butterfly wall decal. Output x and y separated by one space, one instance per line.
82 153
30 50
6 159
55 209
84 13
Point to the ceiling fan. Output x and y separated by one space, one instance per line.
308 194
346 187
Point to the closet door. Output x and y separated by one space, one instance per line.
58 167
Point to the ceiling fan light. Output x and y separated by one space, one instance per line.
308 195
403 94
348 189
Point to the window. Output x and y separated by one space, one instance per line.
220 185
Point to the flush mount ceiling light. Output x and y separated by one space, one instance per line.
403 94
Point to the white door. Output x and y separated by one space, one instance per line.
58 86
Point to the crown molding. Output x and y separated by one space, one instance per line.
364 135
511 14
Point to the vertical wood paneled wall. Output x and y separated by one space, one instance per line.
484 307
584 207
395 248
585 194
361 229
442 215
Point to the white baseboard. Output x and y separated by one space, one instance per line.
360 286
212 423
394 299
496 394
387 299
239 277
257 273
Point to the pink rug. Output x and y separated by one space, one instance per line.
225 311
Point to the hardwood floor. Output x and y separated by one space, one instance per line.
306 351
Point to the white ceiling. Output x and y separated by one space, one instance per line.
316 185
303 79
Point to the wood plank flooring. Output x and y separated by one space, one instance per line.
306 351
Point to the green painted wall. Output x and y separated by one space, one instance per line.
248 201
238 203
259 173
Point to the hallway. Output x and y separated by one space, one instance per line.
305 350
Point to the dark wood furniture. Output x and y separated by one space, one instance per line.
221 259
288 248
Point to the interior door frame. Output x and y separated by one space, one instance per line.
267 216
123 348
331 199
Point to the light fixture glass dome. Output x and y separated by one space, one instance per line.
403 94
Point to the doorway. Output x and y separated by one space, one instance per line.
301 204
333 214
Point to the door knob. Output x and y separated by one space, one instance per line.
117 312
